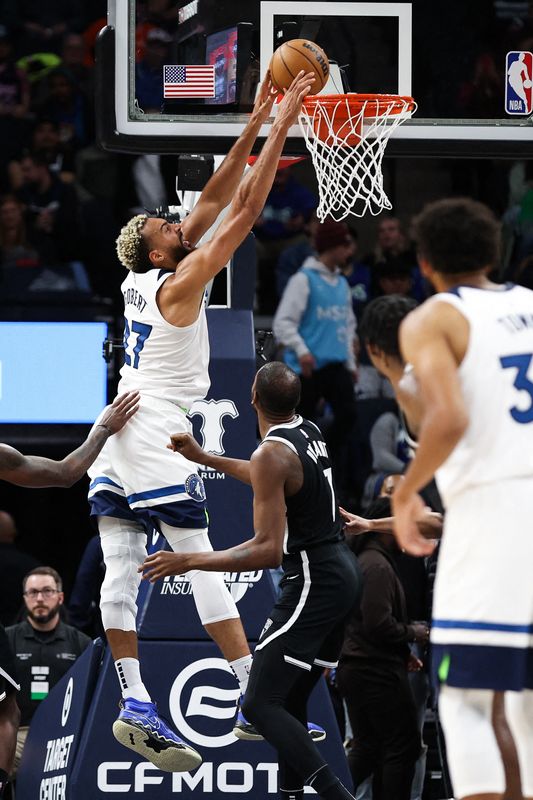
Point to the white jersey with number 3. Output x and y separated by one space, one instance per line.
160 359
496 378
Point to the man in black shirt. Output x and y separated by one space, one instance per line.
373 670
44 647
296 523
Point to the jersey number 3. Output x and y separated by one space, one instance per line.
521 363
143 332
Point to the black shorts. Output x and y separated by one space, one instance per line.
8 672
319 589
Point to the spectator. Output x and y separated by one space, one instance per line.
45 22
391 452
394 266
359 277
14 100
15 250
45 142
14 565
391 242
45 647
51 212
282 223
293 256
74 61
316 325
14 89
373 670
68 107
149 71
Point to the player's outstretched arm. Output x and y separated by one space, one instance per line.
269 470
187 445
433 339
38 472
430 525
221 187
196 270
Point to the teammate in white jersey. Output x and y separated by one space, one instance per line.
471 348
137 481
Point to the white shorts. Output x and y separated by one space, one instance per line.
482 631
136 477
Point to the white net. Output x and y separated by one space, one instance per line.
347 148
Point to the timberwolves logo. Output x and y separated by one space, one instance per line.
194 486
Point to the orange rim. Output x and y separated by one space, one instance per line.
372 105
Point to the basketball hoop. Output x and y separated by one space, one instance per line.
346 135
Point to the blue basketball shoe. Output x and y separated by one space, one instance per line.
140 728
243 729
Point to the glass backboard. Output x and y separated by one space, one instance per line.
467 63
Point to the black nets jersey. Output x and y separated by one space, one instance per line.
313 517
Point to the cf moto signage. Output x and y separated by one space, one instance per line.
203 694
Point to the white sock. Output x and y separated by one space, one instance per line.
129 676
241 669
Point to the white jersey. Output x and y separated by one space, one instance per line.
496 378
161 360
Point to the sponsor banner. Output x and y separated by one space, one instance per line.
55 732
194 689
224 423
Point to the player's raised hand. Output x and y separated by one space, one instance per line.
163 563
408 510
120 411
187 445
291 104
265 99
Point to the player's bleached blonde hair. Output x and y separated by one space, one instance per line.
131 246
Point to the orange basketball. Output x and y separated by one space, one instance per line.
295 55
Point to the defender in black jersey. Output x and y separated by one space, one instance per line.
296 523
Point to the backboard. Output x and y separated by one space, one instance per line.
468 64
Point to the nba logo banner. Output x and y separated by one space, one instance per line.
519 82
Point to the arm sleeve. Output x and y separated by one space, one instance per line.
290 312
383 444
379 623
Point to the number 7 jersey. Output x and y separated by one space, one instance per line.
496 378
161 359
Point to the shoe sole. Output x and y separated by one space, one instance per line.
318 737
246 736
172 758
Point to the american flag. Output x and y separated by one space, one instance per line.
189 80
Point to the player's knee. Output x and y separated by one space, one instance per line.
123 552
213 601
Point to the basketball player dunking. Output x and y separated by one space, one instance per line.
296 523
471 348
136 481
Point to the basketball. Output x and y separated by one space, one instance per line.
295 55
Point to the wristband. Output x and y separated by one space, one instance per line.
101 425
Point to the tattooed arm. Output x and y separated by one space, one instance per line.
36 471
